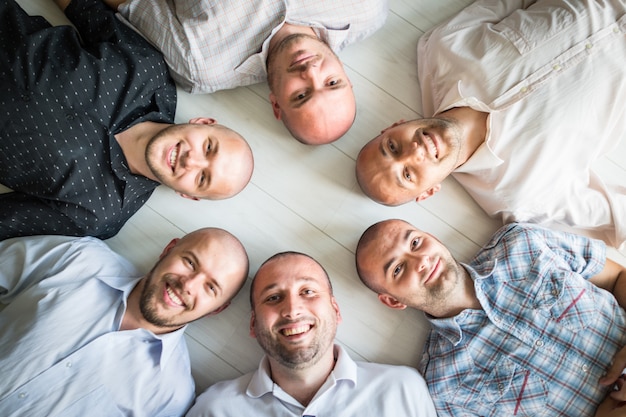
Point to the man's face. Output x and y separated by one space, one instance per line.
408 161
196 276
295 316
310 91
200 159
412 267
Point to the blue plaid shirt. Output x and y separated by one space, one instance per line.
543 339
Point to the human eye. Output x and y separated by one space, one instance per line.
406 174
397 270
202 179
415 243
271 299
189 262
212 288
301 96
393 147
209 146
333 82
308 292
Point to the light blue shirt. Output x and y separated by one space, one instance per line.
353 389
61 351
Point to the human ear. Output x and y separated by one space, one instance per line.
399 122
203 121
391 302
428 193
275 106
169 246
252 322
188 196
219 309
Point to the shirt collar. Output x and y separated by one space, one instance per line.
345 369
484 157
256 64
450 328
166 343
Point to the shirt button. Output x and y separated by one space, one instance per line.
69 116
585 368
523 89
501 387
68 364
25 97
21 395
589 46
539 343
556 67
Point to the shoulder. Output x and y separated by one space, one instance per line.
392 376
222 397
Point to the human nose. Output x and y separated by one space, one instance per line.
413 152
422 262
292 307
190 282
310 69
192 161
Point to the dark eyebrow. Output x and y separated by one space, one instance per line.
273 285
407 234
381 148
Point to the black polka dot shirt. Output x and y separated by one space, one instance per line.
62 98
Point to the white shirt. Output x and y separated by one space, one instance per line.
61 351
552 76
214 45
353 389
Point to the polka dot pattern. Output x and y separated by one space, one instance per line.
64 98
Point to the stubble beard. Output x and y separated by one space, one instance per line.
147 304
152 154
300 357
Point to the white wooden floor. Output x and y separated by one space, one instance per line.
307 199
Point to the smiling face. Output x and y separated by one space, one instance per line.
408 267
294 315
408 161
200 159
310 91
196 276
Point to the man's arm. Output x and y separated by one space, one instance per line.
612 278
27 260
23 215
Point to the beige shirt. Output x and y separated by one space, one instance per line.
214 45
552 77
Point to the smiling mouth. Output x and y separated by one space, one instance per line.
295 331
173 297
433 272
304 59
430 143
173 157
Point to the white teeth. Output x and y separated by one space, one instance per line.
174 297
173 156
296 330
433 148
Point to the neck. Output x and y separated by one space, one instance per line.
303 384
463 298
474 129
134 142
133 317
289 29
